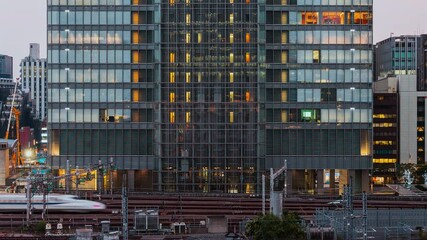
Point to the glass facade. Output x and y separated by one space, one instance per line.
398 55
210 94
101 95
318 102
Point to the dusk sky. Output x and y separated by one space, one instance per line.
24 21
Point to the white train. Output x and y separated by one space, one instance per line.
54 202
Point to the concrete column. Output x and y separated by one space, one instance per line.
4 165
289 181
298 179
366 180
310 180
332 180
319 179
131 180
345 179
362 181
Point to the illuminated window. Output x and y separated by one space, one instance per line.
231 1
135 57
187 57
171 2
248 1
335 18
188 117
284 18
135 76
284 37
382 116
135 37
248 37
199 77
231 118
187 38
231 57
187 1
316 56
231 37
188 96
284 116
187 18
172 117
284 96
231 77
199 37
135 18
284 76
188 77
135 95
248 57
284 2
383 143
135 2
385 160
309 17
231 18
231 96
284 57
384 125
171 57
171 97
362 18
172 77
248 96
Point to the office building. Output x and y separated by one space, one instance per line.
206 96
386 130
399 126
399 105
397 56
6 66
34 80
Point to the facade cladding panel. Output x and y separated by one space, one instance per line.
209 94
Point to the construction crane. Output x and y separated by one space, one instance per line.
16 157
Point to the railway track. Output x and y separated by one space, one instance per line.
190 209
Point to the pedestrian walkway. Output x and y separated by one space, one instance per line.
403 191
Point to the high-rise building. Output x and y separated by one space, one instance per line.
206 96
34 80
6 66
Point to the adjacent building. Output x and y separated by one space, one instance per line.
397 55
206 96
34 80
6 66
399 105
386 130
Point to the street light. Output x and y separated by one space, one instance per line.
29 155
